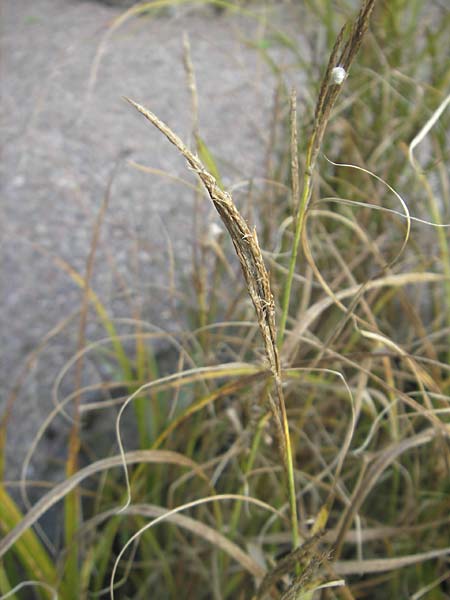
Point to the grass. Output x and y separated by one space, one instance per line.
299 448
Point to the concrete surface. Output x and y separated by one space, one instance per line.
60 142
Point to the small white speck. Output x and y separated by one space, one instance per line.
338 74
18 181
215 230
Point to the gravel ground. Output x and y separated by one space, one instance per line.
61 140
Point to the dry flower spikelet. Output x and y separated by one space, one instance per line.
244 240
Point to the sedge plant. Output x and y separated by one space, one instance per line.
311 467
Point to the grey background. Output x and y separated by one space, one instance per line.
61 138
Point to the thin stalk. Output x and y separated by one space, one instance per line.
299 223
248 467
289 465
342 55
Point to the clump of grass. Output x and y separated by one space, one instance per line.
317 467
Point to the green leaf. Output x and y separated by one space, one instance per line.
208 160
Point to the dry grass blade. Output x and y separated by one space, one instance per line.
227 369
32 584
62 489
225 390
193 525
380 565
321 305
374 471
168 514
426 129
161 173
